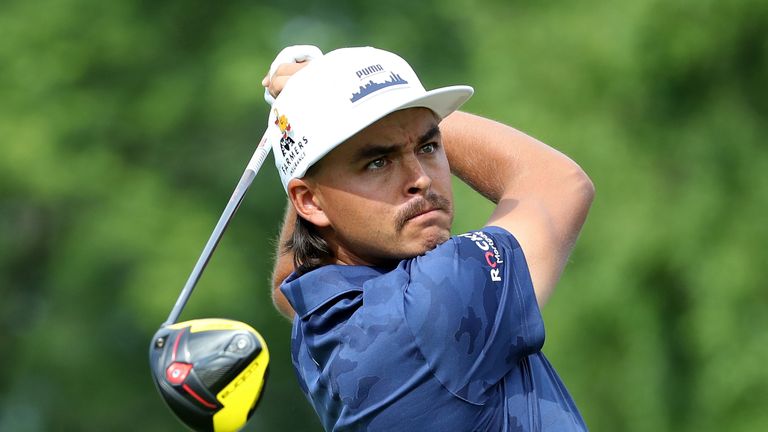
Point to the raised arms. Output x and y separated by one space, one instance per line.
542 196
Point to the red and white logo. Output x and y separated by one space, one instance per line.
492 255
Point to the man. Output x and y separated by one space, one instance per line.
398 326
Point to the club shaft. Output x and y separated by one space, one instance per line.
229 211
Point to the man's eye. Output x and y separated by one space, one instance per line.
429 148
377 164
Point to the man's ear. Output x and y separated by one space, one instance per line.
306 202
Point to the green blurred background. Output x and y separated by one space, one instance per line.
126 124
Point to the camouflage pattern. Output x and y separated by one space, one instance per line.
448 341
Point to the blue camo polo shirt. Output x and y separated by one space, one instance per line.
447 341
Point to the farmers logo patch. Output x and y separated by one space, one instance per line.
292 149
377 79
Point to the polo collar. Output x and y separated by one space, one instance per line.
308 292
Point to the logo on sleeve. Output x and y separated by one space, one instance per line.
491 253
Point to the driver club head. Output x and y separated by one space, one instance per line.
210 372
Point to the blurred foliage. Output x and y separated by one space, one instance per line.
125 125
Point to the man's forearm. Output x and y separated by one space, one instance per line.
283 263
542 195
492 157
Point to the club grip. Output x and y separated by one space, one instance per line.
257 160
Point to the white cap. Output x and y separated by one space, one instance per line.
341 93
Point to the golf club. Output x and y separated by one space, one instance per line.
211 372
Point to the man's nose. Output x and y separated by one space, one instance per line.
418 181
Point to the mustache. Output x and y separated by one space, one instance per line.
432 201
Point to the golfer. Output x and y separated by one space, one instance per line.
398 325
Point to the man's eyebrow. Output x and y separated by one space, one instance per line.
431 134
377 150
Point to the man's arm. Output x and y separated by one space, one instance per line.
542 196
283 258
283 263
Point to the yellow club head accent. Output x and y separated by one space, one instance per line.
210 372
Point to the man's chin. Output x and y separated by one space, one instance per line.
433 240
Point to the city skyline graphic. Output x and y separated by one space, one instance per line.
395 79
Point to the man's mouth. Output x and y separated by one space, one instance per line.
426 207
425 212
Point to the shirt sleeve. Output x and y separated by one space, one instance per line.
472 310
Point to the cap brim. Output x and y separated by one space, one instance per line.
442 101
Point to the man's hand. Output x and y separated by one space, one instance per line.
274 84
288 61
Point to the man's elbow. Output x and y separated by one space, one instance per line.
586 190
283 268
580 188
281 303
